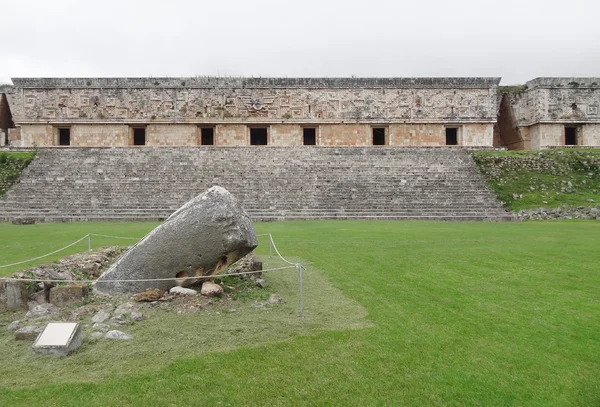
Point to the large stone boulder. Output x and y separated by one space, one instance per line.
201 238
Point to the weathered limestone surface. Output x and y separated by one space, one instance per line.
275 183
201 238
546 106
558 100
13 295
254 99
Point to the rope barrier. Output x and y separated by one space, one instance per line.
116 237
45 255
272 245
146 279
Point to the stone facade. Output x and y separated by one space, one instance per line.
342 111
552 112
117 112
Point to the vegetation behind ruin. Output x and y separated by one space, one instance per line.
11 166
547 178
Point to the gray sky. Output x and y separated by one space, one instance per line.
517 40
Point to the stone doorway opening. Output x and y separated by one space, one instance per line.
451 136
570 136
64 137
379 136
309 136
139 137
258 136
207 136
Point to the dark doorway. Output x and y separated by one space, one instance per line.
378 136
570 136
310 136
64 137
139 137
451 136
258 136
207 135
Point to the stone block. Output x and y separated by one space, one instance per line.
27 333
68 294
58 339
13 295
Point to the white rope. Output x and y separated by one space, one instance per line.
147 279
279 254
116 237
46 255
129 238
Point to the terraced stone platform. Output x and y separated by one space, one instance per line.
273 183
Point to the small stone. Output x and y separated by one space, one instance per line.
40 297
13 326
101 316
182 291
210 289
151 294
232 310
123 309
27 333
101 327
259 282
136 316
68 294
96 335
515 196
117 335
589 200
275 299
40 311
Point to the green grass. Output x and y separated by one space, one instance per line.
549 179
459 314
11 166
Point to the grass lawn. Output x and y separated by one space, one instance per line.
398 313
526 179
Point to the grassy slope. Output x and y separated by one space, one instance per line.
11 166
464 314
550 178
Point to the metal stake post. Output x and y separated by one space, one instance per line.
89 242
299 267
270 246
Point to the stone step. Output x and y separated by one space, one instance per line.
272 183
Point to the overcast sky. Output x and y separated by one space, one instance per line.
517 40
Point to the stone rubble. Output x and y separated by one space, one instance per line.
100 315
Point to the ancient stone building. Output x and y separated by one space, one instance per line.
97 112
550 112
253 111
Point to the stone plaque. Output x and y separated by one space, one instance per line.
59 339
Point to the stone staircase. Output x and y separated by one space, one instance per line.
273 183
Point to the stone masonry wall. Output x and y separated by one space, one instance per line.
286 135
226 100
548 134
40 135
558 100
172 135
590 134
120 135
345 135
103 135
232 135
